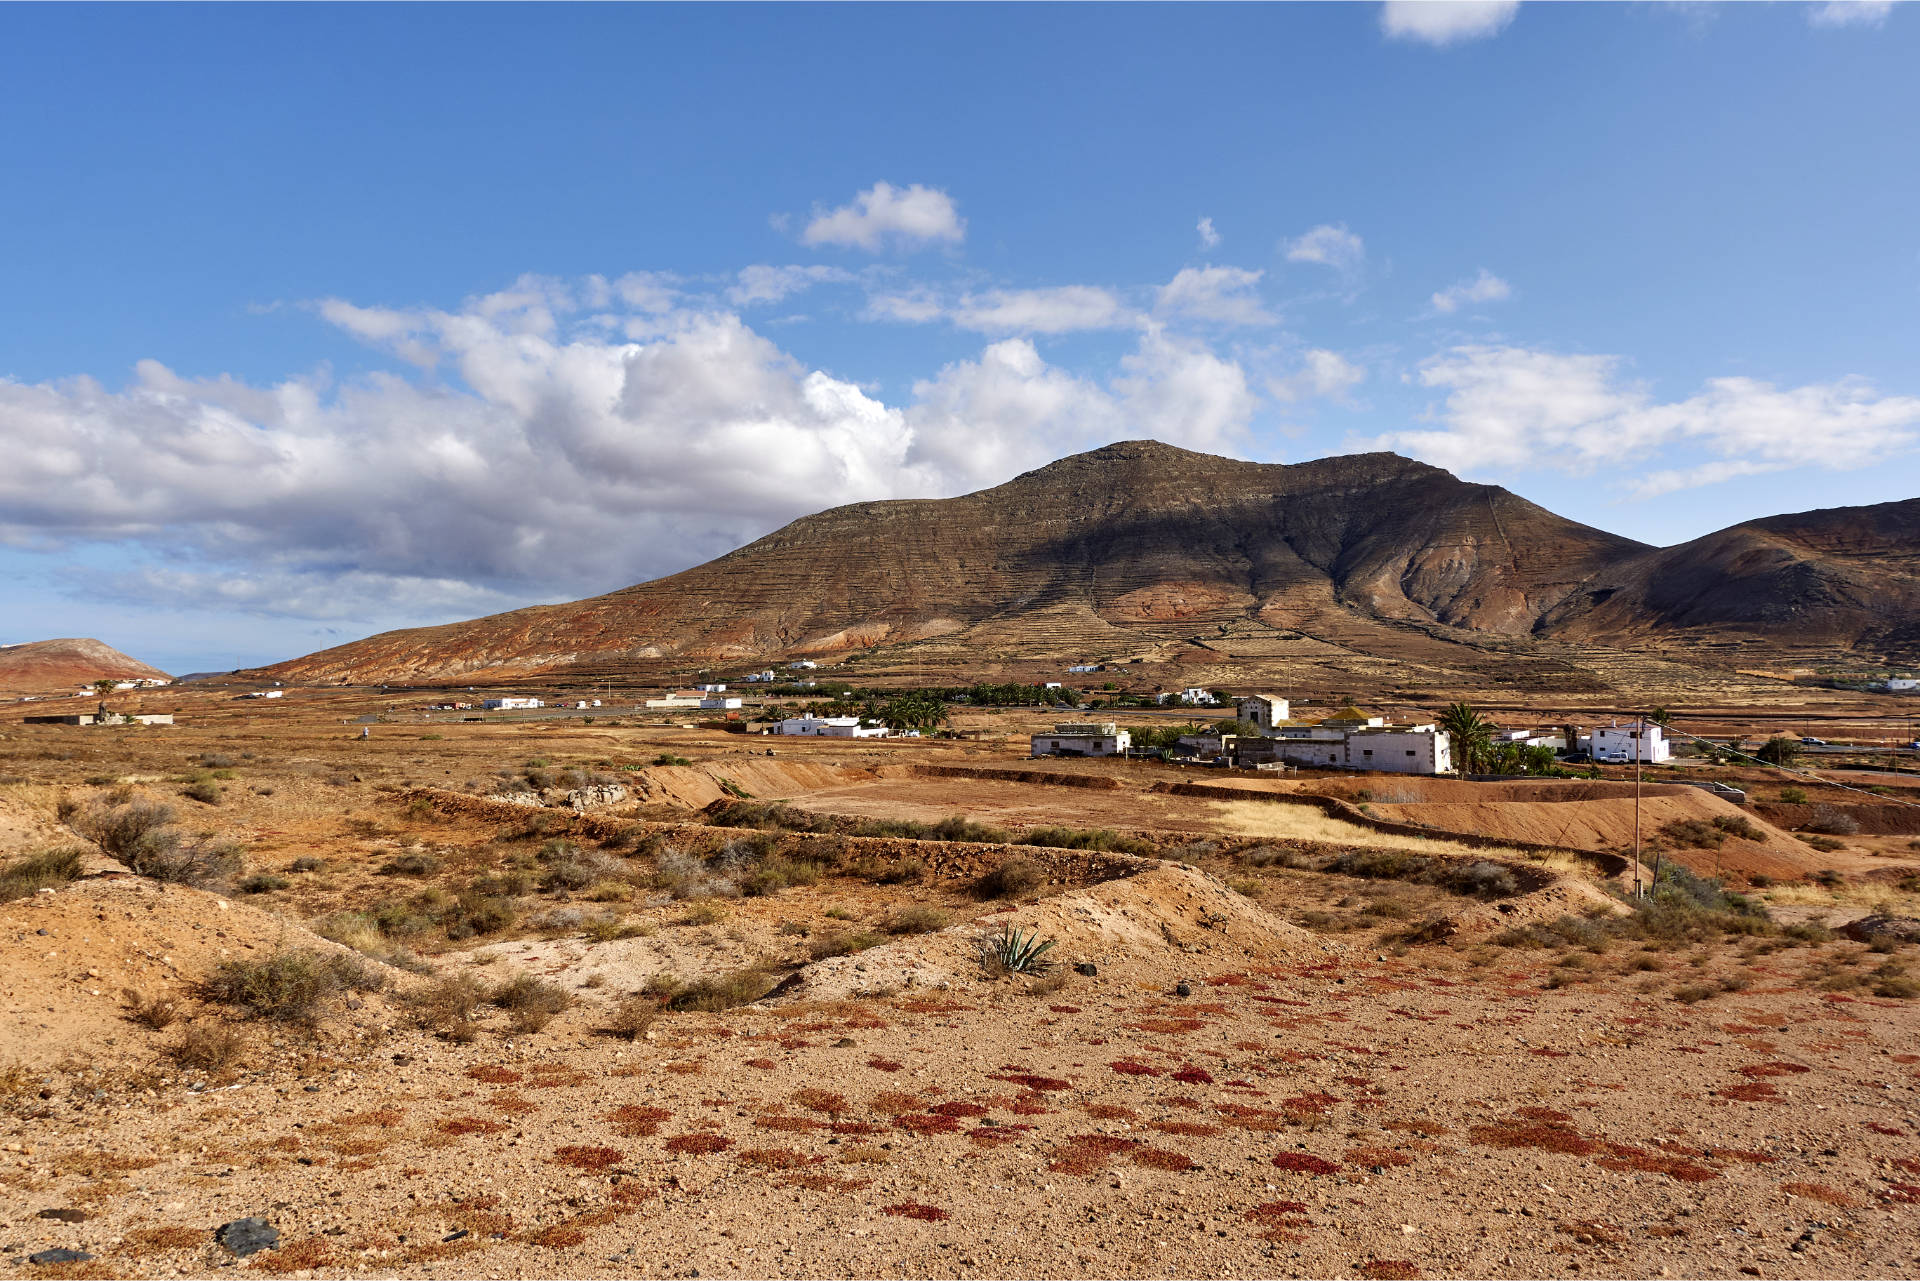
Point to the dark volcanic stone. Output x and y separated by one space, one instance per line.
61 1255
65 1215
248 1236
1086 969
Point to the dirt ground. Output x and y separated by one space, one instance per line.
1300 1046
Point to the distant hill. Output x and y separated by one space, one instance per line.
48 666
1138 537
1143 548
1842 577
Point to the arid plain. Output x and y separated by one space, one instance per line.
404 1003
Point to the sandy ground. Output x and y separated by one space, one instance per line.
1261 1076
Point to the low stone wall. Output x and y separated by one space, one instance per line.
943 860
1043 778
1333 807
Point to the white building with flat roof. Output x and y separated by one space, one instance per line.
721 703
1618 744
1083 738
831 727
1268 711
512 704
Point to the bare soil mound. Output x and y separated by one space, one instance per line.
1163 925
1675 816
71 955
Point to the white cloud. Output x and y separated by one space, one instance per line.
1321 373
1209 238
915 306
1849 13
1178 390
882 214
980 421
544 455
1225 295
1330 245
1058 310
1446 22
762 284
1509 407
1486 287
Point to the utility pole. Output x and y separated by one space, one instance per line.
1637 738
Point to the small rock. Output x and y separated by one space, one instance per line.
248 1236
65 1215
1086 969
845 1042
401 1060
1183 989
311 1089
62 1255
455 1235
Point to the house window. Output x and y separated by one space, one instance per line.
1409 751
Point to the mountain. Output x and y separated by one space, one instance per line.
1842 577
1368 568
41 667
1101 550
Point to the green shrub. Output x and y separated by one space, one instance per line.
207 793
724 991
919 918
411 864
289 986
1792 796
1012 878
530 1001
1101 839
447 1006
263 883
776 874
842 944
36 872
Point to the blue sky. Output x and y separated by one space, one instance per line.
322 320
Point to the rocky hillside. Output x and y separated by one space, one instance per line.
1123 544
1845 576
39 667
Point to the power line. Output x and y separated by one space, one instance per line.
1787 769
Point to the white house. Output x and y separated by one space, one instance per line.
712 689
1339 743
1400 749
1197 697
1084 667
758 678
1902 685
265 693
1083 738
1265 710
720 703
1618 744
675 700
511 704
803 665
831 727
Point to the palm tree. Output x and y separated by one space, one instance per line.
1472 737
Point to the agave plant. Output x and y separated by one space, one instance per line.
1008 951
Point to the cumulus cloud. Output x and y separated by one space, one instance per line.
1445 22
1209 238
980 421
541 452
1329 245
1058 310
1849 13
1486 287
883 214
1223 295
1322 373
1510 407
762 284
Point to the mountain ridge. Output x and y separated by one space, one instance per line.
1141 542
